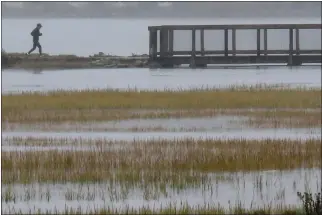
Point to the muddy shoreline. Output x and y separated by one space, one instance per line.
34 61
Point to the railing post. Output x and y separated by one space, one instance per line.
297 46
150 43
193 45
226 42
153 44
258 42
202 42
161 42
233 44
171 42
265 42
164 42
297 41
290 59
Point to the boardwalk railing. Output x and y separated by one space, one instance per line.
161 45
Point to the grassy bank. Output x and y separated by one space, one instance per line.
33 61
192 99
150 160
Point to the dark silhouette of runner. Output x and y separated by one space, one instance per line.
35 36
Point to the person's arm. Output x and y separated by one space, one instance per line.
36 32
33 32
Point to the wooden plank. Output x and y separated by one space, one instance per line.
233 42
248 52
202 42
248 26
238 59
226 42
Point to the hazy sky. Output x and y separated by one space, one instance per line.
160 9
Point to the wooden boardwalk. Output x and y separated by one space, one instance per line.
162 53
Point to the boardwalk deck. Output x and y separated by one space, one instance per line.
162 53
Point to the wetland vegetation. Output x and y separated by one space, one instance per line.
159 168
100 105
156 160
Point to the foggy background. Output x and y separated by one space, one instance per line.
159 9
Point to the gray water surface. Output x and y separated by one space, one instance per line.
129 136
251 190
182 124
15 81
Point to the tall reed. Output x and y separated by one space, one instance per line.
158 156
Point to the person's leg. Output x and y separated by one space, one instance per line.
33 48
39 47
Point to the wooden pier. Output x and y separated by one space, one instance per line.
162 53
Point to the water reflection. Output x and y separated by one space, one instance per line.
251 190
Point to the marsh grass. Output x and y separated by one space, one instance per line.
8 196
91 115
298 119
234 97
161 160
308 121
183 208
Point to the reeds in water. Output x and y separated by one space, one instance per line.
153 159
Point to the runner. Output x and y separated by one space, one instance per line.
35 35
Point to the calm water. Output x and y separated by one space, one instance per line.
221 123
254 189
20 80
128 136
89 36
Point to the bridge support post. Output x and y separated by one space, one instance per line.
193 52
153 43
171 38
165 47
258 42
233 41
226 41
290 56
297 59
265 43
202 42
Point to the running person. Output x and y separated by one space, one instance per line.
35 36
